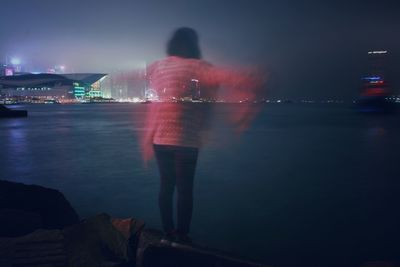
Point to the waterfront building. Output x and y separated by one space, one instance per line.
62 87
195 89
6 70
376 94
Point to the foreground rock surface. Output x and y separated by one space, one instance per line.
40 248
38 227
95 242
151 253
92 242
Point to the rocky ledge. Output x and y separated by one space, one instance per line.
38 227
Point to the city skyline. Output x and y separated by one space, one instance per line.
309 49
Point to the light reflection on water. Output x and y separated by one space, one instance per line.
301 173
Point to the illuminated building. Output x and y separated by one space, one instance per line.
95 90
195 89
50 86
123 85
375 93
6 70
79 90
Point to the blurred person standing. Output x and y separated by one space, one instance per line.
174 126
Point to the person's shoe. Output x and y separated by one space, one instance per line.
167 238
181 240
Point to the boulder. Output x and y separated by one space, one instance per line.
40 248
131 230
14 222
96 242
25 208
92 242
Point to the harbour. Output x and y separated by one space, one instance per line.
313 173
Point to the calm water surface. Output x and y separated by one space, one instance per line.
303 179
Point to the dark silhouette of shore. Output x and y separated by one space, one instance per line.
9 113
39 226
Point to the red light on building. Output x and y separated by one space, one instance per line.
375 92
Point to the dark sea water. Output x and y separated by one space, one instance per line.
304 183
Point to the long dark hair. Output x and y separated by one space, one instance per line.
184 43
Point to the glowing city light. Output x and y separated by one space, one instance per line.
377 52
373 78
15 61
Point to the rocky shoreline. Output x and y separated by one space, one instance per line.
39 227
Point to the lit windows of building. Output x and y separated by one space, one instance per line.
79 91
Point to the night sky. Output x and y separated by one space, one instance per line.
312 49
